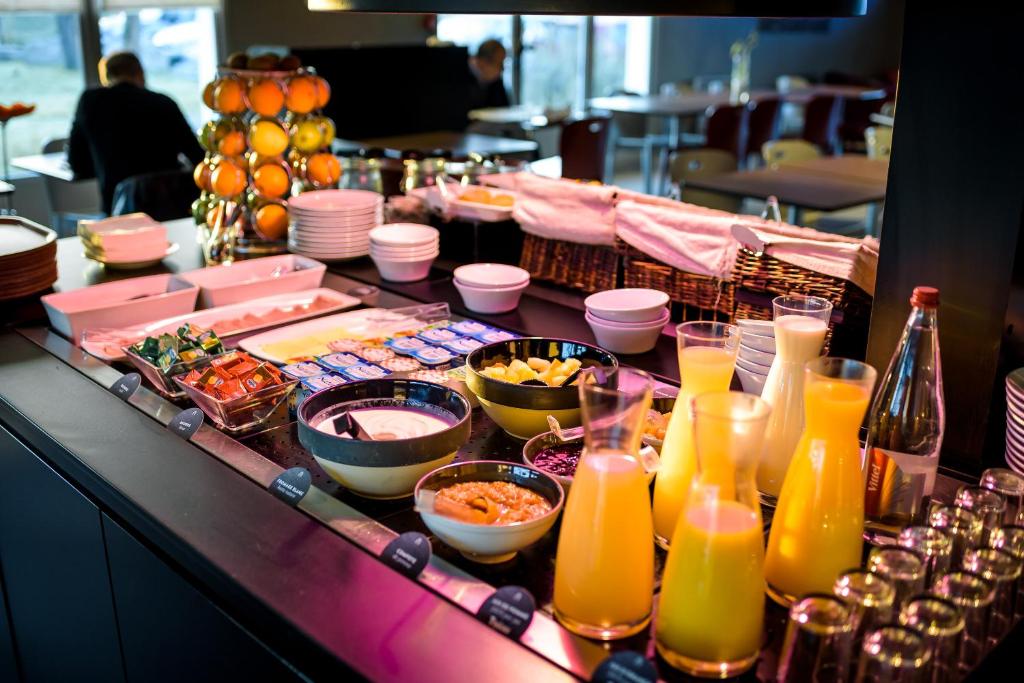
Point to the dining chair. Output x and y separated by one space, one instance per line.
857 117
778 153
686 164
791 114
70 201
582 146
762 125
164 195
725 128
878 140
822 116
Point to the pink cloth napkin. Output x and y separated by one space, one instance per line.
565 210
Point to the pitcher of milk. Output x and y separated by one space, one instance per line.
800 326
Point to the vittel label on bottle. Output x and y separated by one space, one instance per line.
897 482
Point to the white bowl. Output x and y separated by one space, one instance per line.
490 543
755 368
399 253
329 201
761 342
661 318
403 271
627 340
491 275
404 235
494 300
763 327
755 356
752 382
633 305
246 280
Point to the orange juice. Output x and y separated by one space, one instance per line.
604 570
702 369
816 530
711 608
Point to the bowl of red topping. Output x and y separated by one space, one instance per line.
559 458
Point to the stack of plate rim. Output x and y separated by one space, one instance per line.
28 257
756 353
1015 420
333 225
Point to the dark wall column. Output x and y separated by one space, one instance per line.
954 201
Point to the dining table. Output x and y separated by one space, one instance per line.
460 144
53 165
821 184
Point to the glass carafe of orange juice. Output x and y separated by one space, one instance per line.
711 609
604 569
817 526
800 326
707 358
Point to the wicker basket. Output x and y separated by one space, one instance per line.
584 267
701 297
759 278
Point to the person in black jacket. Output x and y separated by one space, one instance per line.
487 68
123 129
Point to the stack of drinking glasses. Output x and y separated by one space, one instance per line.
1015 420
928 608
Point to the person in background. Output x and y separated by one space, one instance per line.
122 129
487 68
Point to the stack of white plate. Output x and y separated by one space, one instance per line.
1015 420
627 321
330 225
491 287
403 252
757 351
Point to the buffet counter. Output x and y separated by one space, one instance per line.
120 535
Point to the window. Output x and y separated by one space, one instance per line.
177 47
40 64
622 55
552 61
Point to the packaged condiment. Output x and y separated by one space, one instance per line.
233 375
433 356
303 370
492 336
434 376
168 351
345 345
405 346
364 371
468 327
376 354
437 335
401 364
462 347
338 361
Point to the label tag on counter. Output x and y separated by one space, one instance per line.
508 610
292 485
126 386
186 423
625 667
408 554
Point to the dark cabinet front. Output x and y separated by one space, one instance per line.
54 574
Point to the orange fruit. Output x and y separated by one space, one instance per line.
271 221
302 94
232 144
208 94
202 174
265 97
272 180
228 179
323 91
229 96
267 137
323 169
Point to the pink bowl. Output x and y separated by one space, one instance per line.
626 338
490 300
661 319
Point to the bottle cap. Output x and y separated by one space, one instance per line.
927 297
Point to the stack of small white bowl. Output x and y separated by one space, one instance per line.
491 287
757 352
403 252
1015 420
333 224
627 321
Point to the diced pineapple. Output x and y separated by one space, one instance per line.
538 364
558 380
570 366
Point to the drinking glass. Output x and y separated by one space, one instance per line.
1010 485
818 641
933 545
973 595
817 526
871 598
893 654
988 504
604 569
941 624
711 610
1011 539
903 567
964 527
707 358
801 323
1002 570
